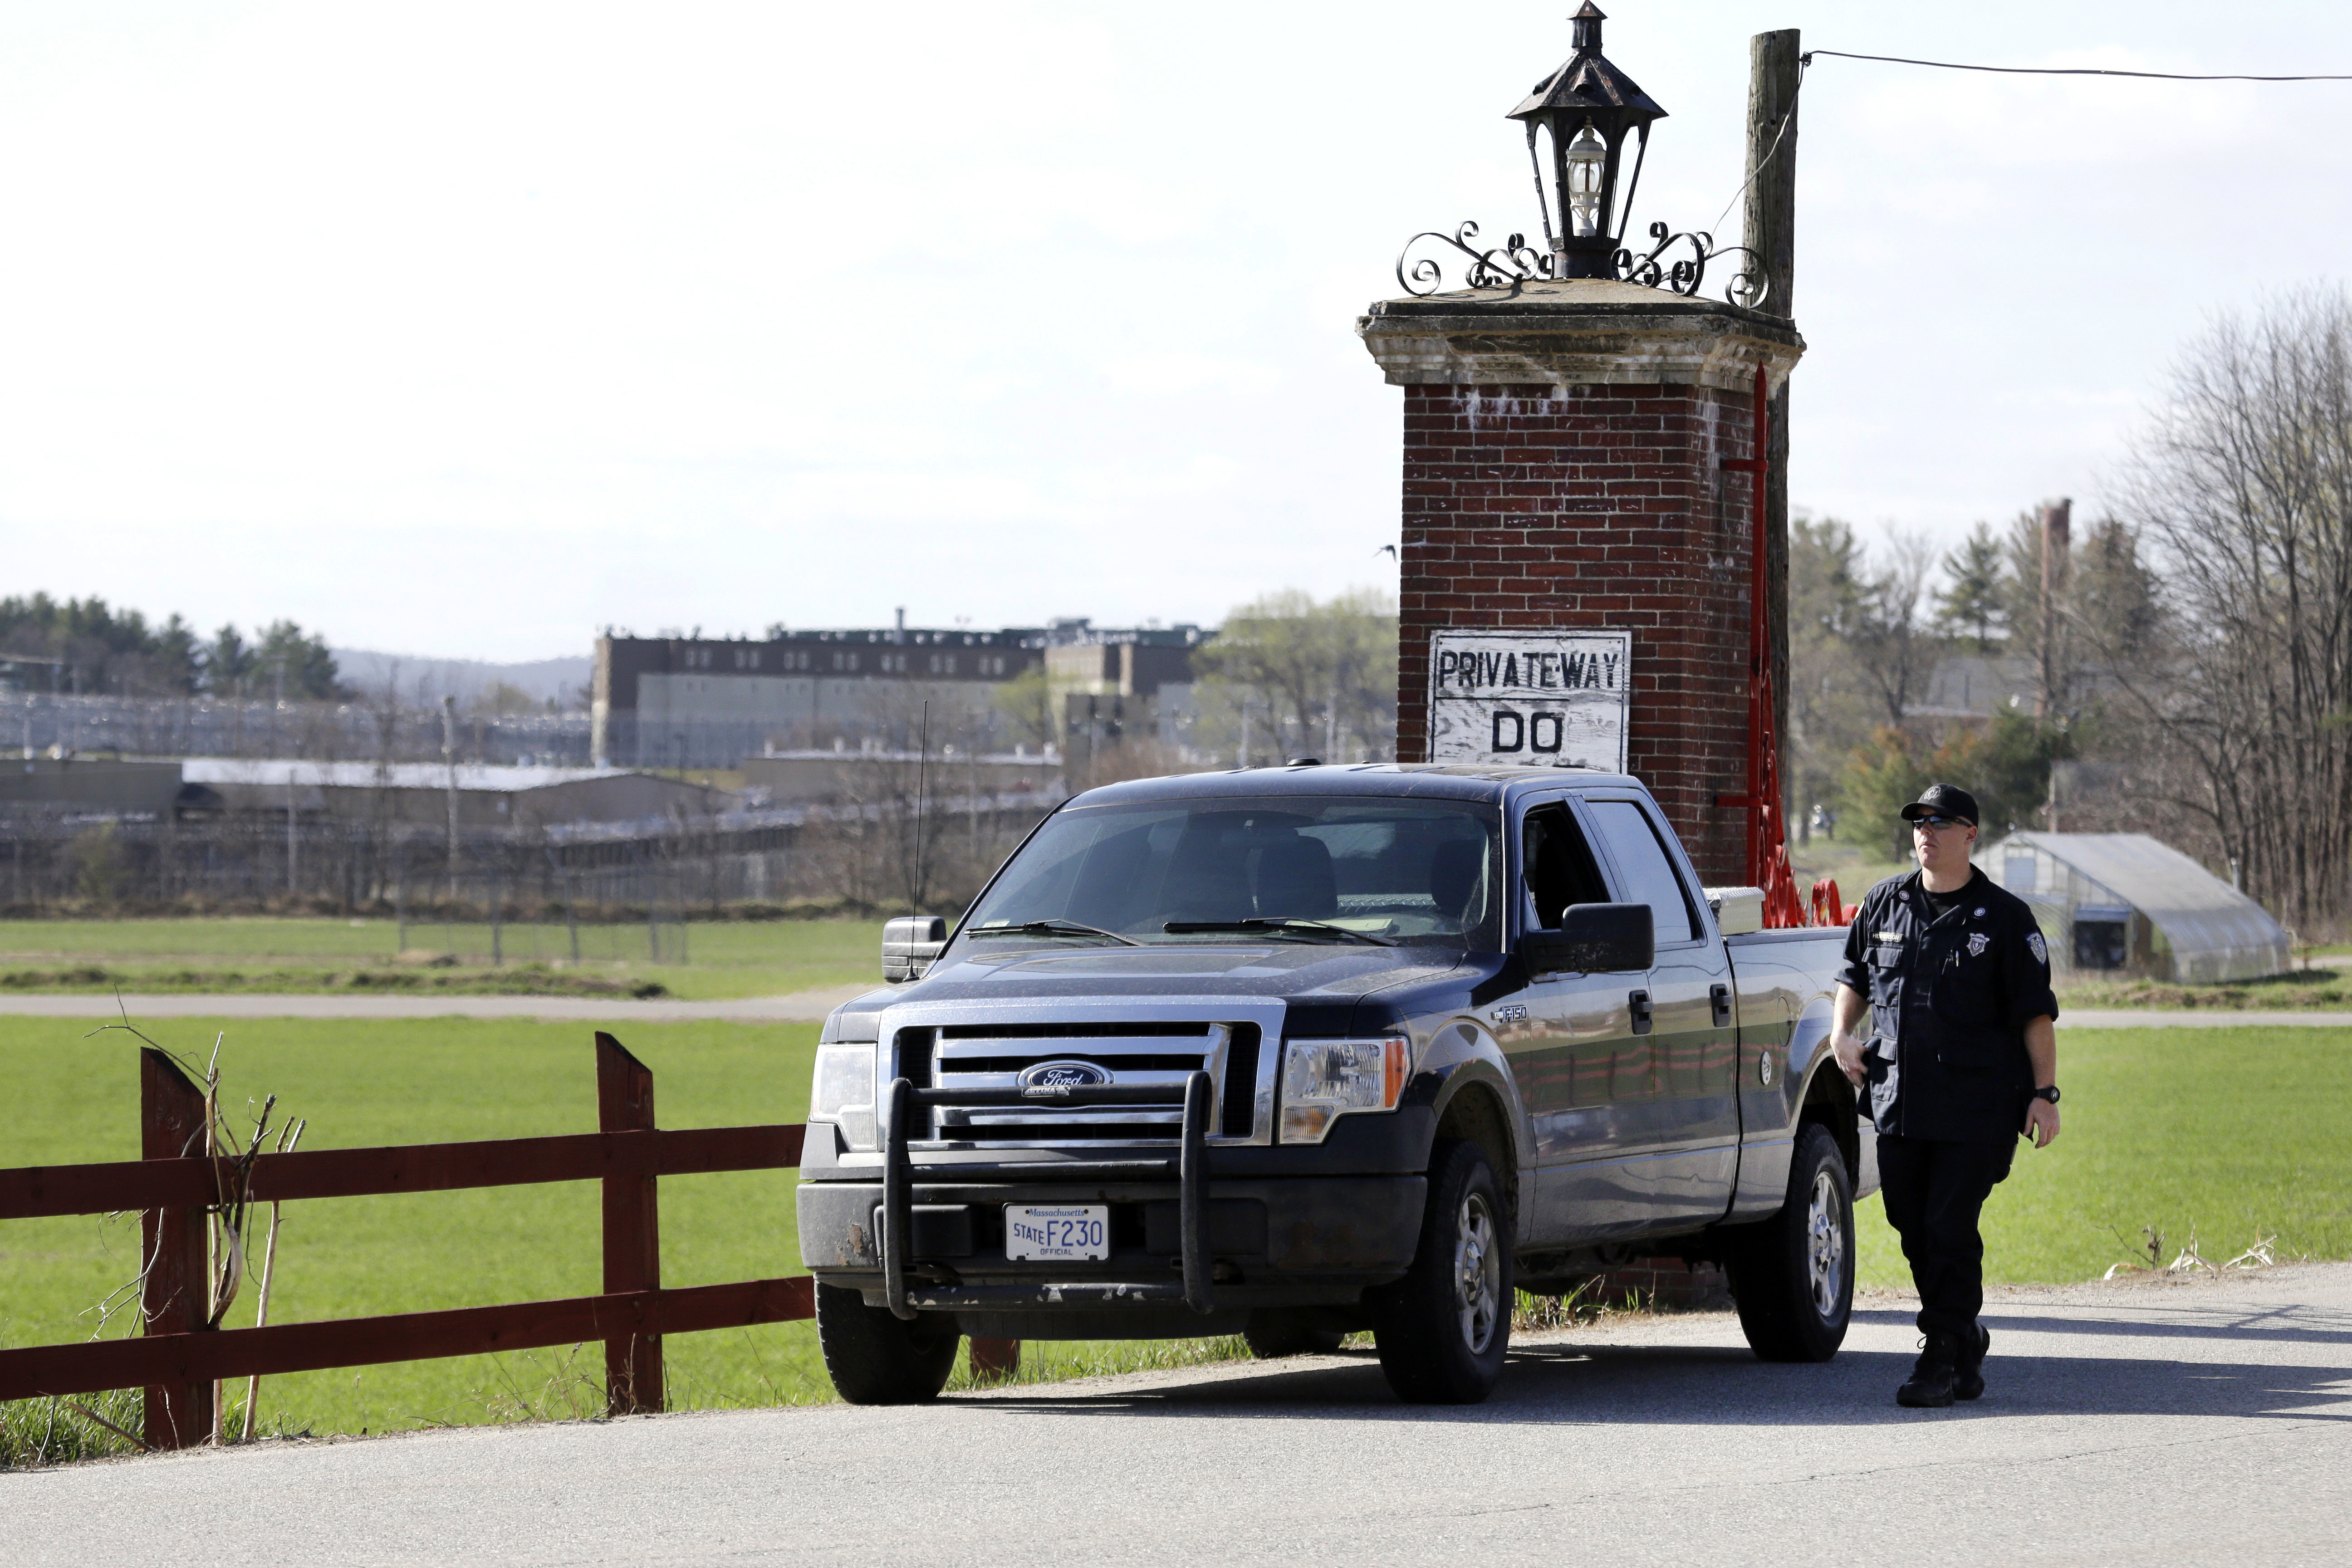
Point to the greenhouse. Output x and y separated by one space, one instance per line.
2123 902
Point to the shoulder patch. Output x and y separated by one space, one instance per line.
2039 949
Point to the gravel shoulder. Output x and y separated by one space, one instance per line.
2156 1419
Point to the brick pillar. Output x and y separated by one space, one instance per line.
1563 451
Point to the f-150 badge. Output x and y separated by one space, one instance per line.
1509 1013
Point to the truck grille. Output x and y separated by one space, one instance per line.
1160 1055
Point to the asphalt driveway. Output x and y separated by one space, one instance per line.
2206 1421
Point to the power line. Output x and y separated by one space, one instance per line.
2058 70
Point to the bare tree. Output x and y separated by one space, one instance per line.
1897 651
1321 678
2244 481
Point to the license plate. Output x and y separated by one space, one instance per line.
1056 1232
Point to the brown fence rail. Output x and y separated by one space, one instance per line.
179 1359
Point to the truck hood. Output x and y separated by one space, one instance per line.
1326 980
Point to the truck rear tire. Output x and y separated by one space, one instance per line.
1793 1275
873 1358
1445 1327
1274 1332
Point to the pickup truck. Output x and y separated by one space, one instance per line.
1301 1051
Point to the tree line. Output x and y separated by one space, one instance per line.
2189 672
1287 676
89 647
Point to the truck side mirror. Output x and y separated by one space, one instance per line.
1594 939
910 943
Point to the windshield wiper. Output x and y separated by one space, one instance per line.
1053 928
1277 926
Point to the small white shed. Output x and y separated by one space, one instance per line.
2126 903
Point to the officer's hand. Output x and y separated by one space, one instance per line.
1848 1051
2041 1122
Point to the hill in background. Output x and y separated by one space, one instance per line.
563 679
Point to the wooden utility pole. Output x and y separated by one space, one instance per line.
1773 75
2057 554
2057 551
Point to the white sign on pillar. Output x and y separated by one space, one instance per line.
1540 697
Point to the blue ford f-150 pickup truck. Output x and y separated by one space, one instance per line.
1293 1052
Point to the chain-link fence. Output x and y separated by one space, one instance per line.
574 880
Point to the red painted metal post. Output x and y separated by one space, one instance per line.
1768 852
624 1103
176 1295
995 1359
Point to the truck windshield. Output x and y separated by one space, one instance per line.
1413 872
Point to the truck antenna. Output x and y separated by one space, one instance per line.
922 761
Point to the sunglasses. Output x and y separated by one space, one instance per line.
1938 821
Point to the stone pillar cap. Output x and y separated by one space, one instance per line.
1577 331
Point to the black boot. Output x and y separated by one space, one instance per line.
1930 1387
1967 1369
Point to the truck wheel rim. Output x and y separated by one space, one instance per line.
1825 1248
1477 1273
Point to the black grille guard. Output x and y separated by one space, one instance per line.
902 1098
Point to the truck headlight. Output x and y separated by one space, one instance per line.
1323 1081
843 1093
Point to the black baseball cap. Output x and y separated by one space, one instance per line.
1943 800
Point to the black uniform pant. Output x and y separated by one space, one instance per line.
1933 1191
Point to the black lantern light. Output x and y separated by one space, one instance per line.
1589 110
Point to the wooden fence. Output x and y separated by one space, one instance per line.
179 1360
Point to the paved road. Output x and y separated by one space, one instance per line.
797 1007
2200 1422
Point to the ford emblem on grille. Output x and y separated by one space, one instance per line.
1064 1074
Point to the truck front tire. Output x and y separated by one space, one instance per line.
1793 1275
874 1359
1445 1327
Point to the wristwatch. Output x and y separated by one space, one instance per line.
2049 1093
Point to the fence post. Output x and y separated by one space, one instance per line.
176 1295
995 1359
624 1103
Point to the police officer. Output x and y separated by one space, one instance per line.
1960 1056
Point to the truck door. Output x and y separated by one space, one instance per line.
1583 1074
1690 1134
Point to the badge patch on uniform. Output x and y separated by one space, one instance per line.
1977 942
2041 949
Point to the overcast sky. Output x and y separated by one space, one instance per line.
466 330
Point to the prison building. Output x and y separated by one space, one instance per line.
2127 903
713 702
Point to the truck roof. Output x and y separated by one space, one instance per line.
1427 781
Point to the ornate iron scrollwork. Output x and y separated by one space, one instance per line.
1684 274
1514 263
1505 267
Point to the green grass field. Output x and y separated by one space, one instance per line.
367 1083
2233 1134
723 958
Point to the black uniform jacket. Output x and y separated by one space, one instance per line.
1949 1001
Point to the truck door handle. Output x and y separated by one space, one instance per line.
1639 1001
1721 996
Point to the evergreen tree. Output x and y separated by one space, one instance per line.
1971 601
